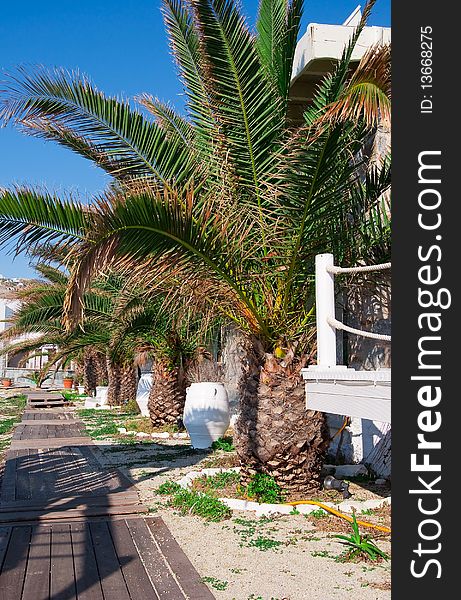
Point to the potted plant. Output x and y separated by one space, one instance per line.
6 381
68 381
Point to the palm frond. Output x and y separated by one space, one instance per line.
367 96
66 107
278 28
245 104
36 218
184 43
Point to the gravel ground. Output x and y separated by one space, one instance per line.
279 558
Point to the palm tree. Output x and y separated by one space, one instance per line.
41 313
227 207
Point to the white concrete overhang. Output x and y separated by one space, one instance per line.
318 51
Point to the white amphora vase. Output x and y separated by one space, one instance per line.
101 394
142 393
206 413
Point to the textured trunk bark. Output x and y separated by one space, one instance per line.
167 395
275 434
114 383
102 374
89 372
128 383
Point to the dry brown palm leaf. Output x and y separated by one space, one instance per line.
367 96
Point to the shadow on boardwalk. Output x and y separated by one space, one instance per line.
70 529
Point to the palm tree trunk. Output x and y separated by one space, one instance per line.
89 372
114 381
100 362
275 434
128 383
167 395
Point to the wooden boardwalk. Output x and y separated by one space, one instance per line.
70 529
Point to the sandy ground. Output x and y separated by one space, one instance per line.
228 554
288 557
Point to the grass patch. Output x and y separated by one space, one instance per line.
264 543
253 533
7 425
264 489
318 514
12 406
107 429
169 487
224 443
202 505
217 584
227 484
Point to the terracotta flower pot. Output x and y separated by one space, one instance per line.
7 382
68 382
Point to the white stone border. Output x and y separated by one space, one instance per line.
161 435
347 506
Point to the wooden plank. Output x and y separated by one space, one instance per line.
5 533
118 498
37 578
88 511
87 580
9 477
22 476
183 569
14 564
134 573
112 582
162 579
62 581
50 443
64 423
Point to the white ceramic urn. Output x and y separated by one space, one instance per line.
101 394
206 413
142 393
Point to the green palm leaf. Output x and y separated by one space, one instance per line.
66 107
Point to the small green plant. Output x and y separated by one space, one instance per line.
38 377
217 584
203 505
168 488
7 425
221 480
294 511
70 396
318 514
224 443
264 543
322 554
367 511
360 546
131 407
108 429
264 489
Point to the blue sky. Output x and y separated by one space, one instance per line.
122 46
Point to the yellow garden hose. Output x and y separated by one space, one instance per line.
339 514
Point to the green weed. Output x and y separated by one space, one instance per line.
202 505
264 489
264 543
217 584
360 546
224 443
168 488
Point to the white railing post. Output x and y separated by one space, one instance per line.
325 308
